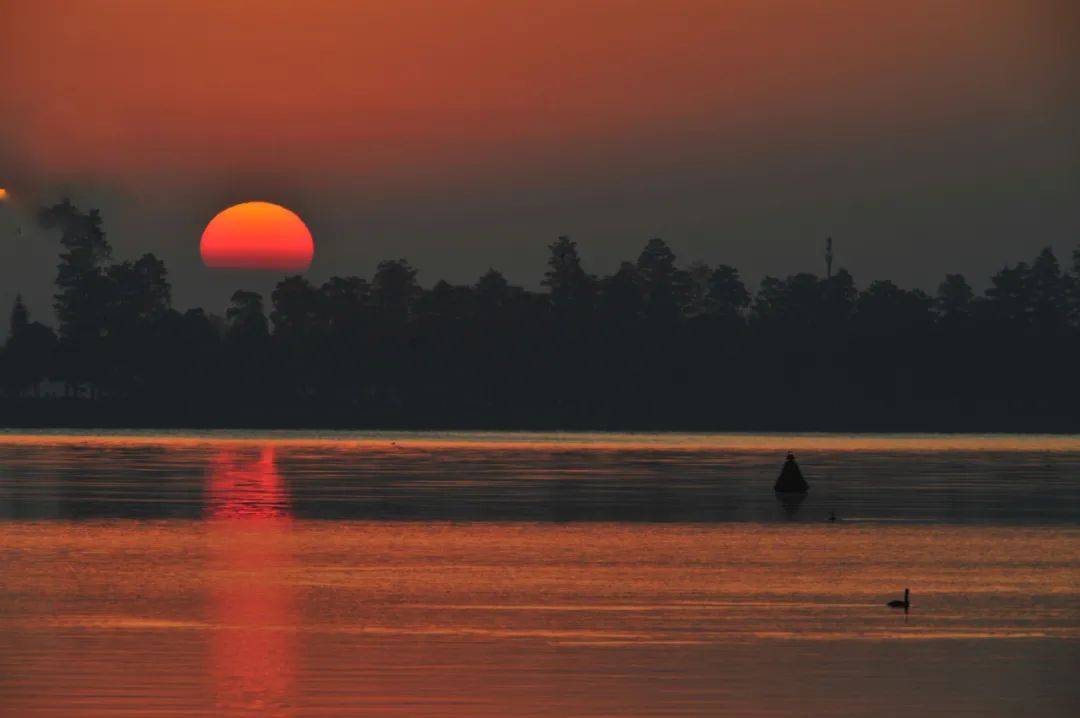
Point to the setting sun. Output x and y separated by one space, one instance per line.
257 235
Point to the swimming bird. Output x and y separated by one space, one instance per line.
901 604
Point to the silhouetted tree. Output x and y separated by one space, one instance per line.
769 303
954 299
345 301
80 297
727 296
1072 291
448 302
698 275
1009 296
885 309
792 303
664 286
297 308
82 289
492 290
252 375
572 289
621 301
140 290
1046 293
27 357
138 298
20 317
247 319
302 342
394 289
838 299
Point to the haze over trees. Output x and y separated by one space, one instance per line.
653 345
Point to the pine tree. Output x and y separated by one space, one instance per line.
572 289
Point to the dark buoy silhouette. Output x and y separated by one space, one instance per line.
791 480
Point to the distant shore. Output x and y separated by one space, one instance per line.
389 440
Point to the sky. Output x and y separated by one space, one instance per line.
924 136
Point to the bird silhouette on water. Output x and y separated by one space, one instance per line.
905 604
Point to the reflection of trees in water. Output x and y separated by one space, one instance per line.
252 652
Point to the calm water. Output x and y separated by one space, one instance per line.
292 574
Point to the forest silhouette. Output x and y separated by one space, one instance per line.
651 346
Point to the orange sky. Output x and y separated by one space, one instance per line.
770 122
412 86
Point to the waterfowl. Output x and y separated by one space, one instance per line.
901 604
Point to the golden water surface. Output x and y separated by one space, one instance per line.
250 609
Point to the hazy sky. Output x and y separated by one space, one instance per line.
925 136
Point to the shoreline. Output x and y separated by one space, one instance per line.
404 440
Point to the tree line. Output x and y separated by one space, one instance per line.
652 345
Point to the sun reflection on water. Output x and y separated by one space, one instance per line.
250 604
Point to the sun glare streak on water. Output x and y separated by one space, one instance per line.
252 651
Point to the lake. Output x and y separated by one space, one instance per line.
503 574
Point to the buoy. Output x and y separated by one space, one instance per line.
791 480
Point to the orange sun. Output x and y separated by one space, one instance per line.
257 235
